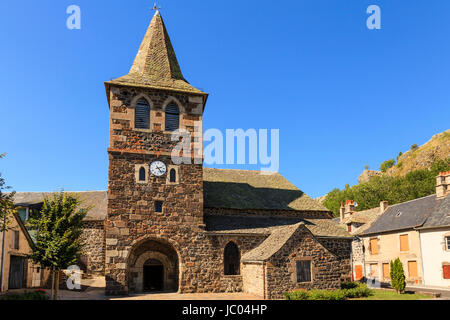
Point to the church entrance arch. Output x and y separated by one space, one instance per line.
153 267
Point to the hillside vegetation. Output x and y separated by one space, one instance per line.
410 176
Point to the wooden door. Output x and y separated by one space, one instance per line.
358 272
386 273
412 269
17 273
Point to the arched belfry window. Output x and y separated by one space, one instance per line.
142 174
142 115
173 175
172 117
232 259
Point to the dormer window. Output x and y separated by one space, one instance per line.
172 117
142 115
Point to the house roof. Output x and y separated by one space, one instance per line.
96 199
272 244
156 64
244 189
264 225
365 217
440 216
406 215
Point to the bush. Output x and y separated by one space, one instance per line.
397 276
414 146
349 290
387 165
34 295
349 285
297 295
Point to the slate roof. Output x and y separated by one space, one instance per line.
97 199
272 244
406 215
264 225
244 189
441 215
156 65
365 217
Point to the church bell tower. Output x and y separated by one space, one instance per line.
155 204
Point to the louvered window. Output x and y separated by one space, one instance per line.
142 115
304 271
172 117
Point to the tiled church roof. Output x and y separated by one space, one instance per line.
156 64
244 189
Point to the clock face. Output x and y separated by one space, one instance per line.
158 168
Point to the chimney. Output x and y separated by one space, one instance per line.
442 184
341 212
383 206
349 206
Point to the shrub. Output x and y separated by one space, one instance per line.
297 295
349 290
349 285
34 295
397 276
360 291
414 146
387 165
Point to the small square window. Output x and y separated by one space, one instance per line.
304 271
158 206
447 243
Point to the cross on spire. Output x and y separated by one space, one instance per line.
155 7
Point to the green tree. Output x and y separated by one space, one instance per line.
397 276
59 226
415 184
387 165
6 202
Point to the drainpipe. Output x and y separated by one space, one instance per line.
421 256
3 254
264 279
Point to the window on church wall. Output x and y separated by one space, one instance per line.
173 175
232 259
172 117
158 206
142 174
142 115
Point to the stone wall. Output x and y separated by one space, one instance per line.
93 240
357 257
330 259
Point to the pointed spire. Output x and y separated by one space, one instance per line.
156 64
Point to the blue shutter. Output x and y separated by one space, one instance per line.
172 117
142 115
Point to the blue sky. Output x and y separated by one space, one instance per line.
342 95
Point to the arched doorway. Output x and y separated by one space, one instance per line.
153 266
153 275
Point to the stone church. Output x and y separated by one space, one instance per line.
163 226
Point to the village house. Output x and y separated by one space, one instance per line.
417 232
17 271
165 226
